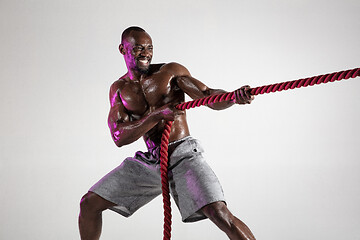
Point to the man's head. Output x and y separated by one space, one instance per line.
136 46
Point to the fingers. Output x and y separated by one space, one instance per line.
247 91
243 95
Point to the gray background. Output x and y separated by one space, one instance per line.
289 162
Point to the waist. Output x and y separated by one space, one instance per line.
173 145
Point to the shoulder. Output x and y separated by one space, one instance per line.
176 69
115 90
118 84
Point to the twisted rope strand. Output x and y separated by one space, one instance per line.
277 87
165 180
337 76
331 77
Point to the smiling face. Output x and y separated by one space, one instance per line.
137 49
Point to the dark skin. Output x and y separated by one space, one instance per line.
141 102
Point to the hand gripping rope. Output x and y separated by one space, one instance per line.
331 77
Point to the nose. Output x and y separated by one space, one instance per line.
146 52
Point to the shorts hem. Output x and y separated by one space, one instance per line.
197 215
114 208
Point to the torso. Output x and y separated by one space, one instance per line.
154 91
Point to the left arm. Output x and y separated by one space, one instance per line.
196 89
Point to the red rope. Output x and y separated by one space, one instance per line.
165 181
277 87
331 77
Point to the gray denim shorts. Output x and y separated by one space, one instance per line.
137 181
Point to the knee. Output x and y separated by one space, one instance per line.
91 203
219 214
86 203
226 221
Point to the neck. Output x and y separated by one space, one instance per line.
135 75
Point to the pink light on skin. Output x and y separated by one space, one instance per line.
116 134
149 143
113 98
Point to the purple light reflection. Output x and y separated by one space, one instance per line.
194 187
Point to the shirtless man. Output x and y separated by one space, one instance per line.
141 101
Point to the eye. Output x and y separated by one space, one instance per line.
138 48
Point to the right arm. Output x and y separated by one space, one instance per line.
125 131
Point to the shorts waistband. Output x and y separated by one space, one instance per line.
179 140
173 145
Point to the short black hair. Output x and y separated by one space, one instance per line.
127 32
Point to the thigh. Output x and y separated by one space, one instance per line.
193 183
129 186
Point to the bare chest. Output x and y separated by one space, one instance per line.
140 97
157 89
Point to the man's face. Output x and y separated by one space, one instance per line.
137 50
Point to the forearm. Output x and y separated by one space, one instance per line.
196 90
127 132
218 105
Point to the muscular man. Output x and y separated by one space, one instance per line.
141 101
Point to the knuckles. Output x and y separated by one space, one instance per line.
243 95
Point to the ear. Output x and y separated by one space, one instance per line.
121 49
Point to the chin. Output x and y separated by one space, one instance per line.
143 70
